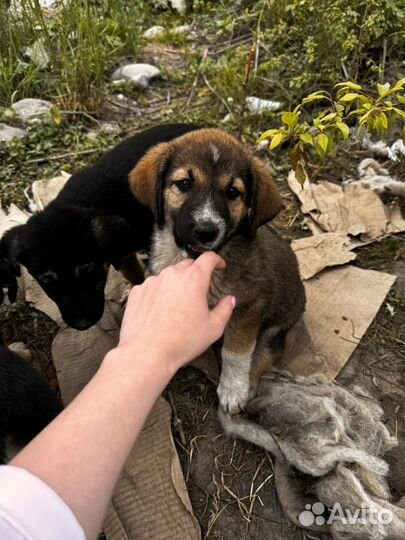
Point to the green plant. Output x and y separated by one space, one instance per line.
376 113
82 40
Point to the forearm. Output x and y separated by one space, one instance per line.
81 454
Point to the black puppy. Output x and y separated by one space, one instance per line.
95 221
26 403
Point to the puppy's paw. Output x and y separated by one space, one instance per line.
233 395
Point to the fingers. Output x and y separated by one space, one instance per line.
208 262
185 263
222 313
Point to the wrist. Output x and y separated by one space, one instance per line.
140 361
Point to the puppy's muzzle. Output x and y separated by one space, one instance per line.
205 232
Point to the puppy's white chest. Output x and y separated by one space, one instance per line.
165 252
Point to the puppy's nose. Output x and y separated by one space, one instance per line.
205 232
82 324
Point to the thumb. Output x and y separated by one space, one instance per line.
221 314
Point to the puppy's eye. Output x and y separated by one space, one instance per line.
85 269
184 184
233 193
48 277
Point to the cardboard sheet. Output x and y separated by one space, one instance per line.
356 211
13 217
151 499
44 191
315 253
341 304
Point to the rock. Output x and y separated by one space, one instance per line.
20 348
106 128
179 5
154 32
32 111
185 30
227 118
8 133
17 7
37 53
139 74
258 105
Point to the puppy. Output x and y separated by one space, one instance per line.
208 192
26 403
94 221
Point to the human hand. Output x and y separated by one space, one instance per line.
167 317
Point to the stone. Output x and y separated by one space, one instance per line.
179 5
185 30
258 105
154 32
32 111
8 133
37 53
106 128
138 74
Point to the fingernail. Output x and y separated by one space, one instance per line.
233 300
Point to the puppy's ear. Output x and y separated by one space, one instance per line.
266 199
146 180
9 266
10 248
113 236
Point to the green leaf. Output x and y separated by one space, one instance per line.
349 84
380 123
55 115
330 116
307 138
350 96
300 173
399 84
314 97
398 111
290 119
365 118
318 124
403 134
343 128
267 135
383 89
322 142
8 114
277 140
401 99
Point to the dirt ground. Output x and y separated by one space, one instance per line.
231 483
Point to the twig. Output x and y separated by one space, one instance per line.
356 56
221 99
249 62
194 86
62 156
384 58
82 113
176 420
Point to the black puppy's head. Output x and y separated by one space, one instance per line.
68 249
206 186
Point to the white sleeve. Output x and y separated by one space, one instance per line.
31 510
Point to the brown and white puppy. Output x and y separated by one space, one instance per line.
208 192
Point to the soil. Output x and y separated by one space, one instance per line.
231 483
